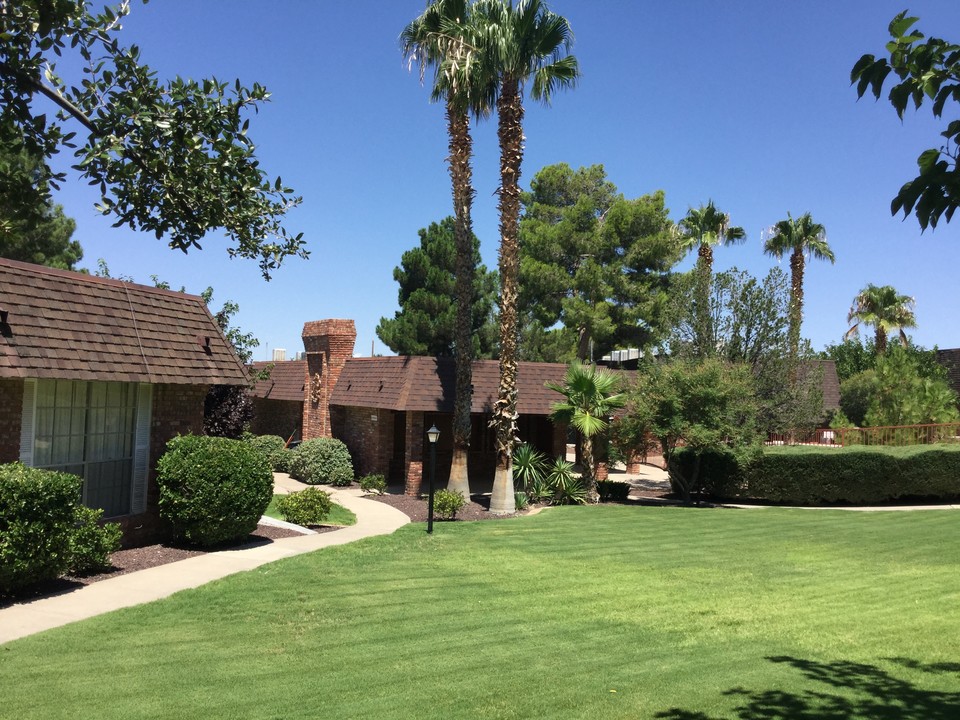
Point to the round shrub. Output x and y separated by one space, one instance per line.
307 507
447 503
322 461
213 489
37 513
275 448
92 543
373 483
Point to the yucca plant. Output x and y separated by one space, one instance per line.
565 487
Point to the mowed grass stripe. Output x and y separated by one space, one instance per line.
542 616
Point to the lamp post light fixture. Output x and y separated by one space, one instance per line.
432 435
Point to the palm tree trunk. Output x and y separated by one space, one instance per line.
880 340
703 321
796 300
510 132
589 473
461 148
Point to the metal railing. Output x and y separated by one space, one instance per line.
890 435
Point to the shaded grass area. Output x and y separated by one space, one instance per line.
339 515
609 611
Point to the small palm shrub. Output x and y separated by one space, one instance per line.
307 507
529 466
274 447
322 461
447 503
566 488
373 483
521 500
212 489
92 543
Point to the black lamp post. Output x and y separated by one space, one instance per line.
432 435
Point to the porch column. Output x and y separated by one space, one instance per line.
413 453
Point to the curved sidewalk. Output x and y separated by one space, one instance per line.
20 620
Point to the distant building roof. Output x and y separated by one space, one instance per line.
67 325
427 384
831 384
286 381
950 359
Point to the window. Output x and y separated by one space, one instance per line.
96 430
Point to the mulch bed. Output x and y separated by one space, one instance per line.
416 508
142 558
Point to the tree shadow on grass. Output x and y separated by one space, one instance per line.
860 691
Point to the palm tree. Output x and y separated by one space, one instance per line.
799 237
591 396
523 43
441 38
883 308
703 228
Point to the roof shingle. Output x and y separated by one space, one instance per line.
68 325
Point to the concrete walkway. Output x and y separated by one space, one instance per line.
16 621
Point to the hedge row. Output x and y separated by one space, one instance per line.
45 531
811 476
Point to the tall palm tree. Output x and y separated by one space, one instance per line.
525 44
883 308
441 38
799 237
703 228
591 395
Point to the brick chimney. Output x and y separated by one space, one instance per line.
328 345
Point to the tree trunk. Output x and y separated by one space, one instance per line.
583 344
510 132
461 146
880 340
705 346
589 473
796 301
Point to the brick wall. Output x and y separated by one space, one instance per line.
413 456
276 417
328 345
368 433
11 409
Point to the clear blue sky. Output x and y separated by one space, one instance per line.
747 103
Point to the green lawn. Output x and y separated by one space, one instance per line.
579 612
339 515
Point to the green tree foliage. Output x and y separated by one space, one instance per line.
703 405
886 310
749 323
172 158
426 321
591 394
928 69
37 234
853 356
896 393
593 261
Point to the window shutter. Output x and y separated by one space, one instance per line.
141 448
27 420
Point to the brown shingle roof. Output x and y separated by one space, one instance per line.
67 325
950 359
428 384
286 381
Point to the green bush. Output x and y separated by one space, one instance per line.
521 500
613 490
322 461
37 515
373 483
447 503
92 543
212 489
307 507
274 447
858 475
565 488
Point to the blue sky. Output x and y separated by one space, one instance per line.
747 103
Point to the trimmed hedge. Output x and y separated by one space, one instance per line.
37 513
213 489
307 507
275 448
812 476
322 461
613 490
